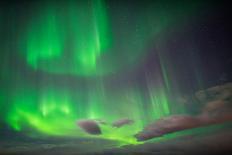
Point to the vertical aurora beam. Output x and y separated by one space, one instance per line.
160 105
96 99
76 38
158 98
77 34
45 40
91 34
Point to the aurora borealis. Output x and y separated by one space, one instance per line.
95 59
70 38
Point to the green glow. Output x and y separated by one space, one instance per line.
91 41
45 40
77 38
160 104
44 113
55 112
70 40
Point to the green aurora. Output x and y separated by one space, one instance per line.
78 40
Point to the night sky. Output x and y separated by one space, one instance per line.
69 60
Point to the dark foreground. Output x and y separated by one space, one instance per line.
217 142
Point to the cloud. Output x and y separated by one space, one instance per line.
168 125
217 109
178 123
89 126
122 122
